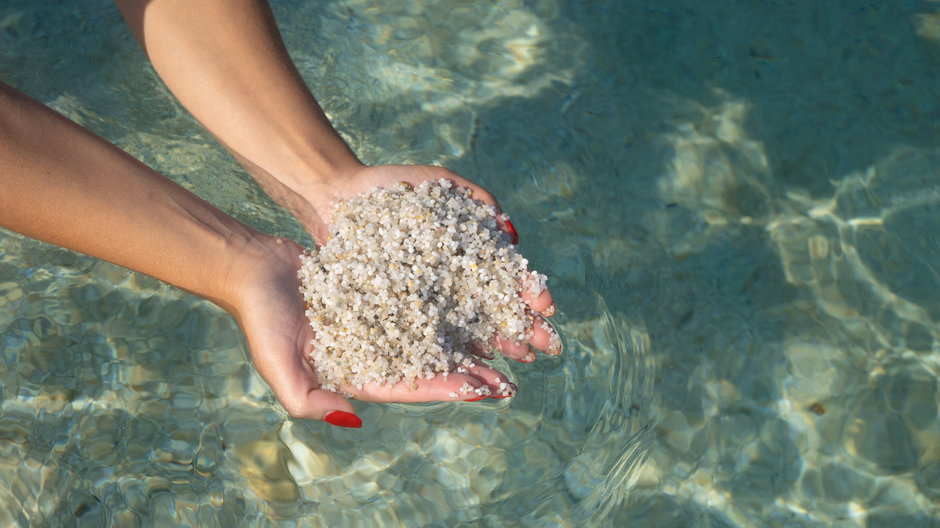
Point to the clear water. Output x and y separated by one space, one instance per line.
737 203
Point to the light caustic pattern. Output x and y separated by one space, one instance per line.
736 204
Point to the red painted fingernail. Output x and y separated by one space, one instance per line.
343 419
477 399
513 235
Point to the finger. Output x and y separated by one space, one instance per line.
481 194
515 349
298 393
542 303
499 384
471 383
476 192
481 350
545 337
293 382
334 409
502 220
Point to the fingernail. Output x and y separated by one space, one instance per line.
508 392
555 345
477 399
554 341
550 311
513 234
343 419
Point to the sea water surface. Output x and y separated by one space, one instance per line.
737 203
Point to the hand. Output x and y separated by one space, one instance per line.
319 199
270 311
312 203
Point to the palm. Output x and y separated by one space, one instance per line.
278 334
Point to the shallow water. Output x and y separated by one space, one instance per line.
736 203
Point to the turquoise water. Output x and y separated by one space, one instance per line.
737 205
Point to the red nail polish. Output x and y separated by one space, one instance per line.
343 419
477 399
513 235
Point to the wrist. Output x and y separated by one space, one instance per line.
260 264
307 185
309 166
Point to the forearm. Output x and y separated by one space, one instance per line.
226 63
64 185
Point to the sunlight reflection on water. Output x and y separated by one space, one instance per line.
736 205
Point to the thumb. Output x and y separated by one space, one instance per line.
292 381
319 404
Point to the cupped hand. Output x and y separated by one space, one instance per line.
323 196
271 313
320 197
